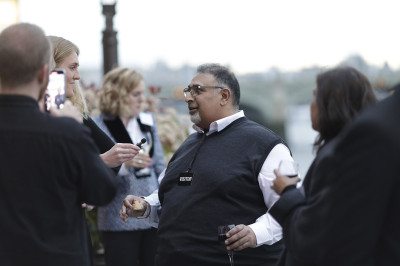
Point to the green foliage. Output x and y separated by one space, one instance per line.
91 218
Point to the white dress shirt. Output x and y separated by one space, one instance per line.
266 229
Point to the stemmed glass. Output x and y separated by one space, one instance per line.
289 168
222 230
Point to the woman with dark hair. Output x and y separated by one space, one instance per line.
340 95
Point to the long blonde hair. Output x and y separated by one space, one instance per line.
62 48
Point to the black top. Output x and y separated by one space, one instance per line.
351 210
103 142
49 166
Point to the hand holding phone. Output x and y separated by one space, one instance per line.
55 93
67 111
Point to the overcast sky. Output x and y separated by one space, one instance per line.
249 35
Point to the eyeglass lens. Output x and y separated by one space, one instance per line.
193 90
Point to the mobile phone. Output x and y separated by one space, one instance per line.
55 93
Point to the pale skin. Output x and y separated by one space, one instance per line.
141 160
210 105
71 66
120 152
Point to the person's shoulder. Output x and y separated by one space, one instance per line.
260 130
97 118
68 123
376 124
66 126
90 122
254 124
384 113
98 122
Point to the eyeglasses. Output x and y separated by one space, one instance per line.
196 89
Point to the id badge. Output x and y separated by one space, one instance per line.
185 179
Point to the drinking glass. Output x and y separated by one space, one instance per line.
289 168
222 230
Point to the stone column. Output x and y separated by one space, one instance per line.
110 43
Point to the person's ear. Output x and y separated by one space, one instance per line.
43 80
43 75
225 96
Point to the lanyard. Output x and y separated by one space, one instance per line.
203 138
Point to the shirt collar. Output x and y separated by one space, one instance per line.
220 124
18 100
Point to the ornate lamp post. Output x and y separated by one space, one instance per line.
110 49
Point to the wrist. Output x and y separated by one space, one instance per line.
147 210
103 157
287 188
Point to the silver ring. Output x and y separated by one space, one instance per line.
140 161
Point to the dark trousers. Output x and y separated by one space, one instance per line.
130 248
90 245
183 263
183 260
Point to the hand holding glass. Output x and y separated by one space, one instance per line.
222 230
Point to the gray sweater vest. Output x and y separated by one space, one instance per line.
224 190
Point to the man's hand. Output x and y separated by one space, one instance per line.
240 237
281 182
68 110
119 153
132 206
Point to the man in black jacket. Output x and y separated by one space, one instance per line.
352 210
48 166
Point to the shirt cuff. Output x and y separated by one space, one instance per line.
152 199
146 212
267 230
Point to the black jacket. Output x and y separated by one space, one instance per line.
48 168
351 211
102 141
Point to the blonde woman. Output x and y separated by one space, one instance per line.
120 104
65 56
